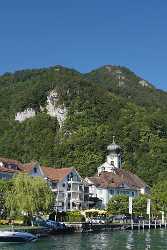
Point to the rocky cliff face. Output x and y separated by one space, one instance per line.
27 113
52 108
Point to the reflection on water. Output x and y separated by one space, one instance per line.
129 244
117 240
147 240
162 233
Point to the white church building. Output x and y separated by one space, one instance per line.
111 179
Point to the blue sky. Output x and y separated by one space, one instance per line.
85 34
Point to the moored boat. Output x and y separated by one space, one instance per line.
11 236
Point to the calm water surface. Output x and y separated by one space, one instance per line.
118 240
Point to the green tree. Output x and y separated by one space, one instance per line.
118 204
29 195
140 205
4 187
159 197
99 106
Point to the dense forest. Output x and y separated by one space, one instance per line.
108 101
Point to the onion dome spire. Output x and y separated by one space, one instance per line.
114 148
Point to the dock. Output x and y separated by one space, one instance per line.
93 227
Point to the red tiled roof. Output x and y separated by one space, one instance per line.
10 161
28 167
117 178
54 174
7 170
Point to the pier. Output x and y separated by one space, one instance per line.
92 227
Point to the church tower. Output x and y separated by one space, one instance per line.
113 158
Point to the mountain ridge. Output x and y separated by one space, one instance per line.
96 106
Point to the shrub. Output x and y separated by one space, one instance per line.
74 216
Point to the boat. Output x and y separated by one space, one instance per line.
11 236
55 225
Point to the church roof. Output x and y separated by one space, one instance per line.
114 147
117 179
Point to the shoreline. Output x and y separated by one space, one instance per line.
82 228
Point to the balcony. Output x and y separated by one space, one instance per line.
75 181
77 197
75 191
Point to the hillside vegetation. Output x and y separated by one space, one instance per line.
105 102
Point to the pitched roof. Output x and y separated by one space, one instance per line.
7 162
54 174
8 170
117 178
28 167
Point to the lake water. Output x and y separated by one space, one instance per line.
117 240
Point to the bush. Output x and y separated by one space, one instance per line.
74 216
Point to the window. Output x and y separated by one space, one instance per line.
69 195
12 166
35 170
73 204
70 177
81 196
69 187
63 185
111 191
54 184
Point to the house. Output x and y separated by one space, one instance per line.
67 185
71 192
8 168
111 179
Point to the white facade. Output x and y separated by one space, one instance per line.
113 159
69 191
105 194
112 180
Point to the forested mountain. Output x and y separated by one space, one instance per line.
125 83
63 118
